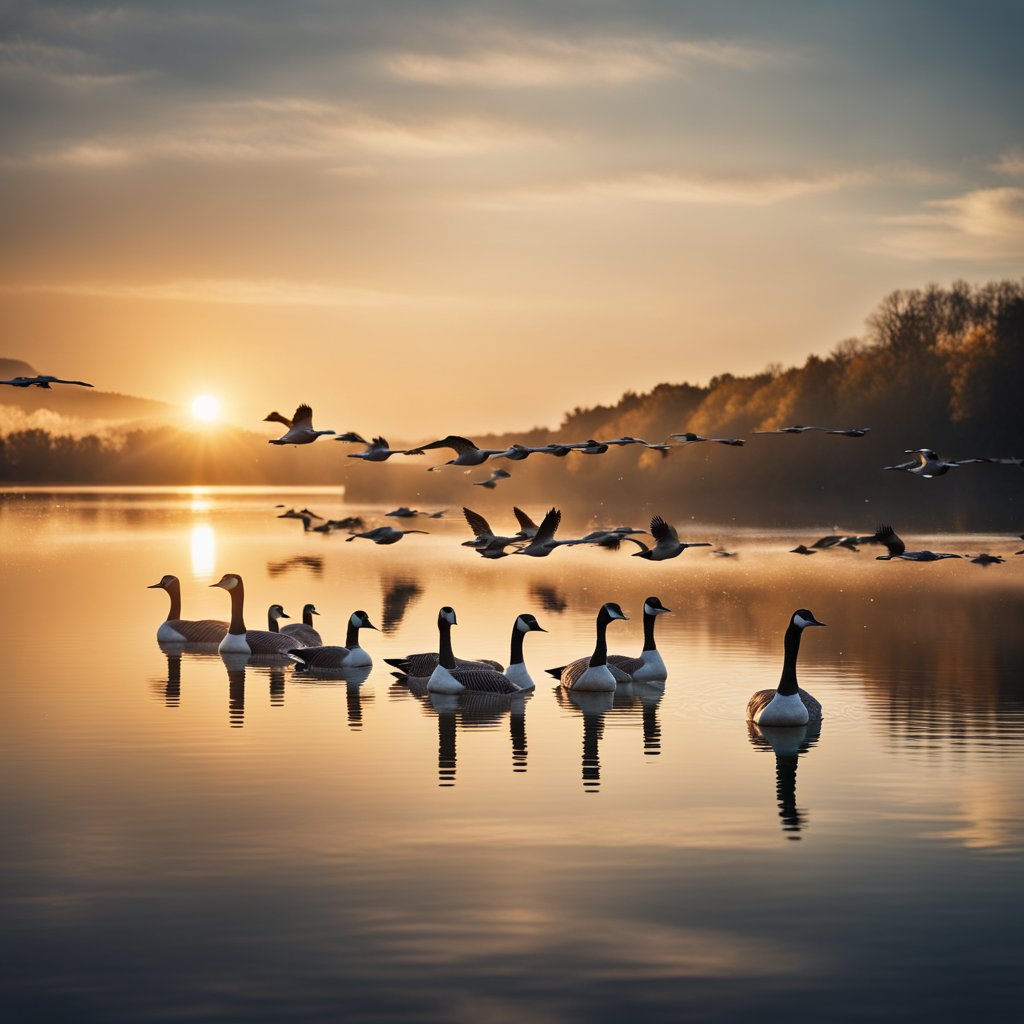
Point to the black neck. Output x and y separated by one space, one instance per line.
600 655
272 624
237 593
787 684
649 621
516 653
174 593
307 617
445 655
351 636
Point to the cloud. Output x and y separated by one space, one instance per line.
538 61
1010 163
984 224
58 65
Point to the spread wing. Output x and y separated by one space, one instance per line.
887 535
453 441
662 531
303 417
477 523
524 520
546 530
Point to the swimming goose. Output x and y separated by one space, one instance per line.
383 535
41 381
175 629
688 438
787 705
301 431
275 612
649 667
543 542
352 655
897 549
516 671
466 452
305 630
594 673
492 481
666 542
238 639
928 464
448 677
378 451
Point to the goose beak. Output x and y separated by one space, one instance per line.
155 586
815 622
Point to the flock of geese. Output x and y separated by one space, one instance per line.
442 672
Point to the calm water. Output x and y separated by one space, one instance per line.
188 840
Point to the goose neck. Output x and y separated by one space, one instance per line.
445 655
515 656
174 593
649 620
600 655
237 624
788 684
351 635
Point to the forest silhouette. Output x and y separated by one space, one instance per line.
937 367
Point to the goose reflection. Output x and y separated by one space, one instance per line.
550 598
593 705
788 743
642 698
399 593
169 689
355 697
313 563
236 666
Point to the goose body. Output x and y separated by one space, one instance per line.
666 542
377 450
352 655
787 705
689 438
238 639
484 539
383 535
466 452
176 630
543 542
301 430
449 678
305 631
928 464
493 480
594 673
897 549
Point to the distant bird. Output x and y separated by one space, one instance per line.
305 630
928 464
622 441
688 438
788 705
797 429
985 559
378 451
439 514
594 673
649 667
543 542
558 450
850 541
449 677
240 640
897 549
404 512
610 539
383 535
175 629
590 447
492 481
666 542
466 452
301 430
41 381
335 657
850 431
516 452
484 539
723 553
802 549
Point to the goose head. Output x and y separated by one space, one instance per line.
309 609
446 617
165 582
229 581
802 618
612 611
360 620
526 623
275 612
653 606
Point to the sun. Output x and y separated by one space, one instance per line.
205 407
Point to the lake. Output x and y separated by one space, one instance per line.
185 839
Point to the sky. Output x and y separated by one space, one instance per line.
428 216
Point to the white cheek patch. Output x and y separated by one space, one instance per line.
354 620
522 625
230 583
801 621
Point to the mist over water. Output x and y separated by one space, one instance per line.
188 836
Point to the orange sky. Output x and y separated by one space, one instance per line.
450 218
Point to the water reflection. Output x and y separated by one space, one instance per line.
592 705
313 564
204 552
643 699
788 745
550 598
236 665
399 594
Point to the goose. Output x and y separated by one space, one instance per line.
688 438
802 549
383 535
352 655
850 431
238 639
304 630
448 677
378 450
610 538
528 528
897 549
484 539
404 512
590 447
558 450
275 612
421 666
516 671
276 417
649 667
466 452
493 480
666 542
621 441
787 705
301 431
41 381
594 673
543 542
928 464
176 630
516 452
799 428
851 541
985 559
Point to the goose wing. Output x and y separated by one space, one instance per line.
303 418
525 522
200 631
662 531
623 667
321 657
549 524
886 535
480 527
481 680
458 444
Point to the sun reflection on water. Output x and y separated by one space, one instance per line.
204 550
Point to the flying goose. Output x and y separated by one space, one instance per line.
543 542
238 639
594 673
787 705
590 447
466 452
492 481
528 528
383 535
985 559
688 438
352 655
666 542
484 539
897 549
448 677
41 381
649 667
301 430
928 464
174 629
377 450
304 631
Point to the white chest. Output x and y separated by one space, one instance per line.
442 681
781 710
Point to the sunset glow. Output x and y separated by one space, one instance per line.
206 408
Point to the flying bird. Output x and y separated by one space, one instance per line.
928 464
383 535
41 381
666 542
466 452
543 542
897 549
688 438
377 450
492 481
301 430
